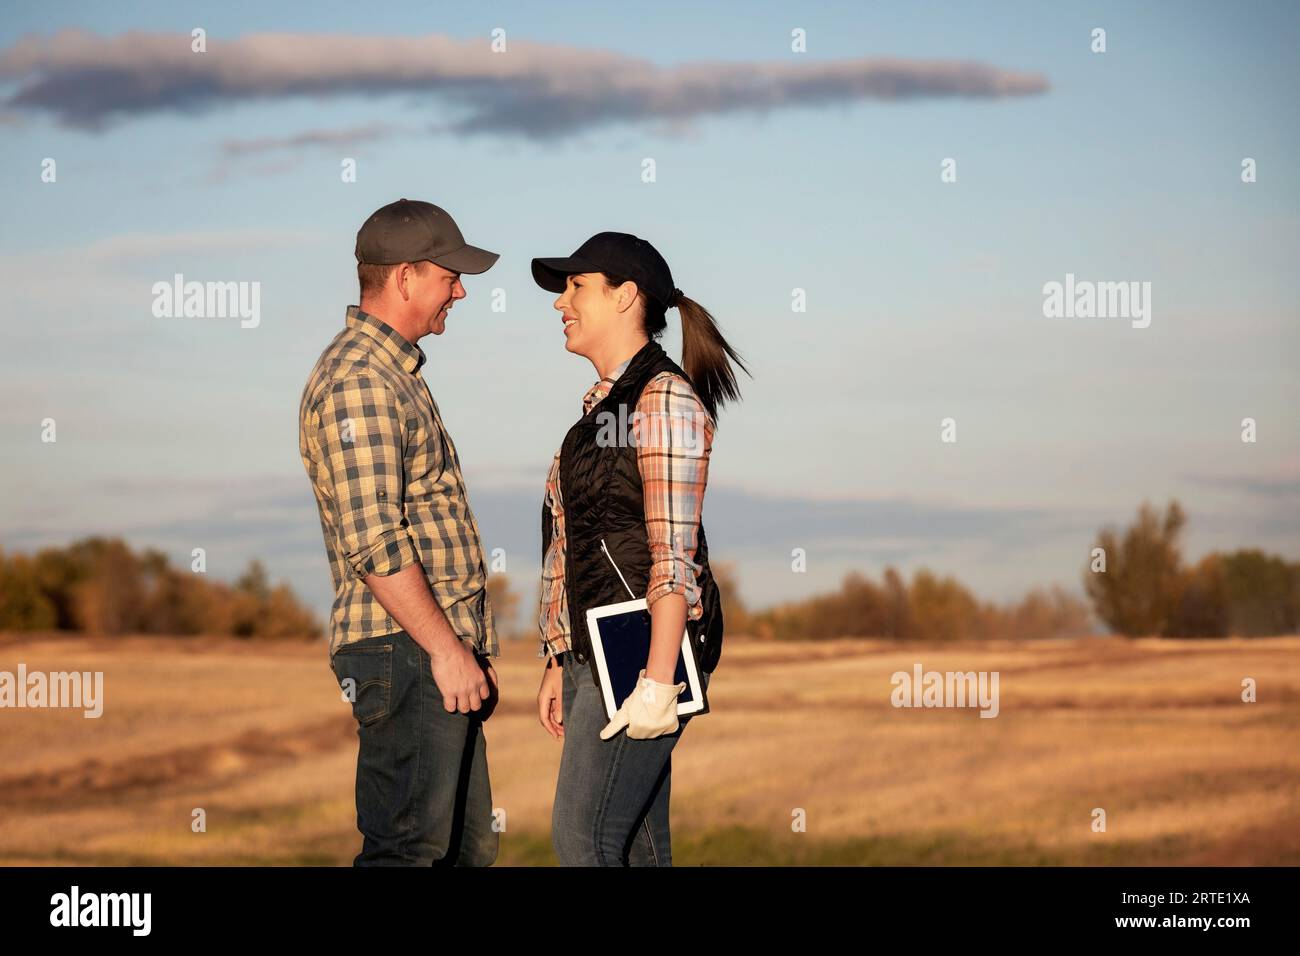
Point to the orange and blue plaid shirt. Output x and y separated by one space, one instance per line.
673 477
388 485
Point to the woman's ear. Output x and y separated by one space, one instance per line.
626 295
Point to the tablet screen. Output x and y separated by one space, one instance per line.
625 639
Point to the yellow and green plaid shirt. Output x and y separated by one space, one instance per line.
388 484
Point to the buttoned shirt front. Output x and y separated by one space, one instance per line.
388 484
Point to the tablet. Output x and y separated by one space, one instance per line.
620 644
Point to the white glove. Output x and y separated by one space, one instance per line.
649 711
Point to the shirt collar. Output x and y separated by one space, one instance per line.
406 354
598 391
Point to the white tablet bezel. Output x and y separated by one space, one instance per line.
594 616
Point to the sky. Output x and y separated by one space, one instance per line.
775 171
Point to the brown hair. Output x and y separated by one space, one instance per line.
706 356
374 276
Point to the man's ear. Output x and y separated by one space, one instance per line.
403 276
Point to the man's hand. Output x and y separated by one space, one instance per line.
456 671
494 692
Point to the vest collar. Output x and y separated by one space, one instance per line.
646 357
629 372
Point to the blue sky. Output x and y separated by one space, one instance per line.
924 298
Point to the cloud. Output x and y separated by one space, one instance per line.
533 90
999 552
273 517
236 151
1283 485
120 271
314 137
137 246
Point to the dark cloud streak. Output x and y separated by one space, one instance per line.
533 90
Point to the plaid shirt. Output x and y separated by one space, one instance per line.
388 484
674 470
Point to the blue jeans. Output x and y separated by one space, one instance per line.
423 796
611 799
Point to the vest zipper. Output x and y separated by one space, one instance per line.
616 570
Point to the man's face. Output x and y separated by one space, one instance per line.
433 290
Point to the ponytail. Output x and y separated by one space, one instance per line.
707 358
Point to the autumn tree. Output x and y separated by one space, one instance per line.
1140 589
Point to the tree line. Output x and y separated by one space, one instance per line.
1136 583
1148 589
99 585
929 607
1135 580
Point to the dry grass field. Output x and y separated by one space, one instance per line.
1153 731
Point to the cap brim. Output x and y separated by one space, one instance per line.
471 260
551 273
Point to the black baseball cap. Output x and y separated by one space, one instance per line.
615 253
410 230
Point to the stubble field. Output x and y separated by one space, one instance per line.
1153 732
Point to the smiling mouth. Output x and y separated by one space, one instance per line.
568 323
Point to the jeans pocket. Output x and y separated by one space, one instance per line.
365 675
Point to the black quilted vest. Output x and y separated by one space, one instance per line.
600 488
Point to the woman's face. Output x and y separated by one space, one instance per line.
590 312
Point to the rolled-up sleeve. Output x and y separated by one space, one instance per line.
362 440
674 437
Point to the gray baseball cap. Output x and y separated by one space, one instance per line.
410 230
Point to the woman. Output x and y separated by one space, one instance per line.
622 513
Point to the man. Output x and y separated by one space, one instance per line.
411 631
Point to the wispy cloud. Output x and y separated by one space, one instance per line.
275 516
328 138
533 90
289 149
137 246
120 270
1282 485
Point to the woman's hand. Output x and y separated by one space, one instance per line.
649 711
550 701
